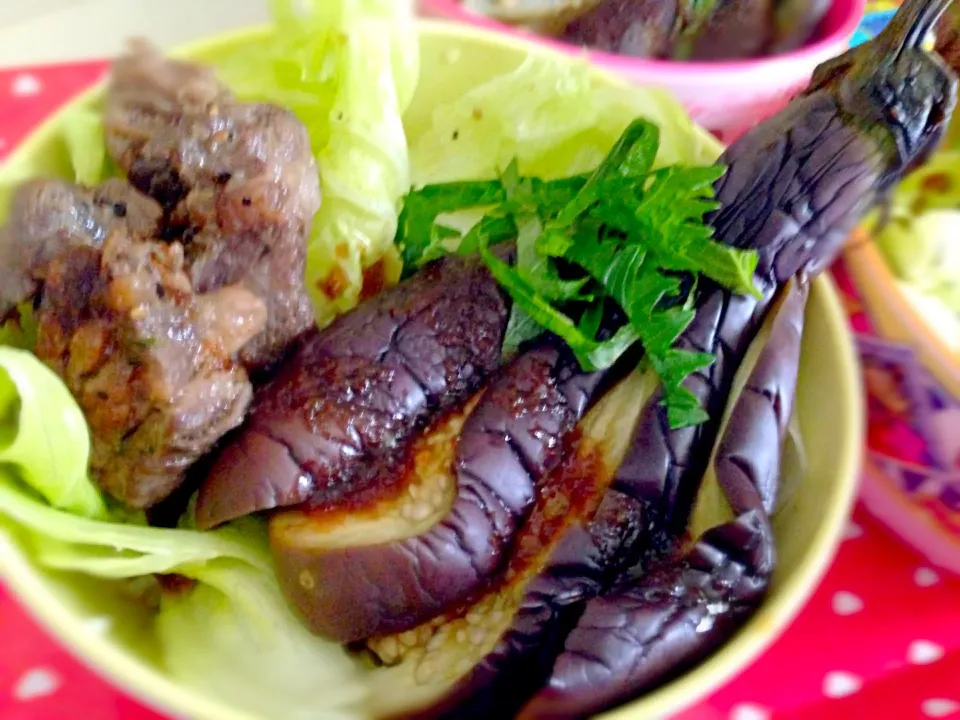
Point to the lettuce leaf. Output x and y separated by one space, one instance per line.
44 435
556 119
86 144
349 70
232 634
276 667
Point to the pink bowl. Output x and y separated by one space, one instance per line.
724 97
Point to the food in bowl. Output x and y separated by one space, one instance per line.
916 236
917 231
463 476
728 30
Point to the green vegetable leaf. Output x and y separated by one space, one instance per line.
348 70
417 234
521 328
629 160
44 435
626 232
234 634
86 143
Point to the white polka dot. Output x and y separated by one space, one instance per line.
98 625
853 531
36 683
939 707
24 85
924 652
846 603
925 577
749 712
841 684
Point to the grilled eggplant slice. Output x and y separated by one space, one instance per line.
358 390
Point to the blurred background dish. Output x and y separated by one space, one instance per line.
726 96
901 277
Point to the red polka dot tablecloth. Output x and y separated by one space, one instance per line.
879 639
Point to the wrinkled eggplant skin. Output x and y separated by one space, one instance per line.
748 455
819 173
359 388
636 637
581 565
518 432
669 619
722 30
794 188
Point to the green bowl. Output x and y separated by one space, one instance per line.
808 528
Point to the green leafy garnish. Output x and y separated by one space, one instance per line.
627 235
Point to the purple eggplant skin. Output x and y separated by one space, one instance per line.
818 165
518 432
796 23
593 552
358 389
733 30
627 27
659 623
868 117
579 567
637 637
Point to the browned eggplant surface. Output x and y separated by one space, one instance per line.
355 392
658 621
465 488
238 183
481 659
157 292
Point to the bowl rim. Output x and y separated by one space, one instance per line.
151 686
820 49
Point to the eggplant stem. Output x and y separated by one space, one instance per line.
911 24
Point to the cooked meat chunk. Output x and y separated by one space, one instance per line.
238 182
50 216
149 362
